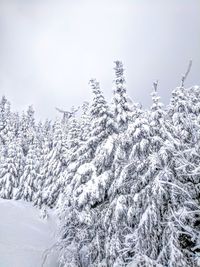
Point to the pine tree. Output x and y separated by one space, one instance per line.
89 179
184 132
73 135
85 121
53 166
146 193
121 106
27 129
43 152
99 144
29 178
5 120
11 169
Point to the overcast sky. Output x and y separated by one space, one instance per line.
49 49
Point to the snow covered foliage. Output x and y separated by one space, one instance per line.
53 164
125 181
147 211
11 170
121 106
29 177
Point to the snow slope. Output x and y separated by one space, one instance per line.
24 237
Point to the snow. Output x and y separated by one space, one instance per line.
144 217
84 168
109 144
24 237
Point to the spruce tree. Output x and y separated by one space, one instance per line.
29 178
89 179
121 106
54 162
11 169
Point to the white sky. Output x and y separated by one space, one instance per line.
50 49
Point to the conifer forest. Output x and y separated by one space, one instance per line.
123 180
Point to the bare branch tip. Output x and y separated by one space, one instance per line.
184 76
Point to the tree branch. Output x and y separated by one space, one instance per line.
184 76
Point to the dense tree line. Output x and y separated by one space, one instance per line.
125 181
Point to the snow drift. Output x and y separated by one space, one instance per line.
25 238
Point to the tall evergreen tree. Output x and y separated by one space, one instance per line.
11 169
53 166
89 180
121 106
29 178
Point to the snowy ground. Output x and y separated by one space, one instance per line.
24 237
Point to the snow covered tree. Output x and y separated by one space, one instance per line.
54 163
89 178
11 169
102 130
184 132
121 106
29 178
27 129
73 135
146 193
5 120
85 121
